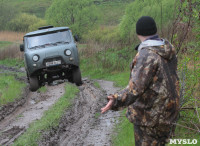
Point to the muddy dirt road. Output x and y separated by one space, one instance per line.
15 124
82 124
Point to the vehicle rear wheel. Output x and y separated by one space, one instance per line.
76 76
34 83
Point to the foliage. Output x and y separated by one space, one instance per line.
79 15
36 25
4 44
189 69
37 7
125 133
50 119
12 62
103 35
11 9
186 19
10 89
22 22
42 89
107 61
111 12
161 10
8 12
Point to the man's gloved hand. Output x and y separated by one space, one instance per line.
109 104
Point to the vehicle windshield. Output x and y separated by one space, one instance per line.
55 38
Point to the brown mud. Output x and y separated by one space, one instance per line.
13 125
82 123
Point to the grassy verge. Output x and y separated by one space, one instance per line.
10 89
4 44
124 130
125 134
50 119
43 89
12 62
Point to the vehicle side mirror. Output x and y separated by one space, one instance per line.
76 38
22 47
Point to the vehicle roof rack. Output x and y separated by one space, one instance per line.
45 27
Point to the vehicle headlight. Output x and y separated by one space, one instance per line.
36 58
68 52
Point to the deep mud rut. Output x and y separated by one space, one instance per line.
82 124
12 126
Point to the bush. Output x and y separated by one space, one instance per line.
103 35
22 22
79 15
162 11
7 13
36 25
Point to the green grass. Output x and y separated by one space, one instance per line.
10 89
96 84
112 12
120 79
43 89
4 44
97 115
12 62
50 119
125 133
37 7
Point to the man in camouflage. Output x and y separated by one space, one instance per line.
152 95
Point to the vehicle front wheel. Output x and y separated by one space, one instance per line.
76 76
34 83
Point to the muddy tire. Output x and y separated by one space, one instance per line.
34 83
70 79
76 76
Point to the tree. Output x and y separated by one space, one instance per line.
79 15
7 13
22 22
161 10
37 24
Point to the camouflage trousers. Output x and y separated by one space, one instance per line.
152 136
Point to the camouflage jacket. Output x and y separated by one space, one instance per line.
152 95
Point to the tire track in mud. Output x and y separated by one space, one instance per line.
12 126
83 125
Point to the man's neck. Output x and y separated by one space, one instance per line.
143 38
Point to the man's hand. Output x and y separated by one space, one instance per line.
109 104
